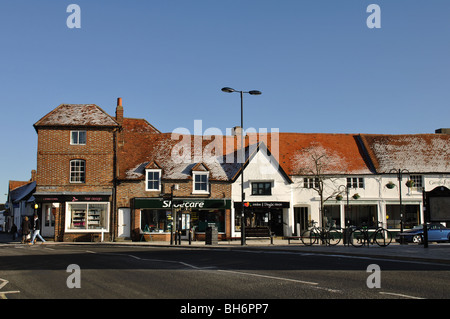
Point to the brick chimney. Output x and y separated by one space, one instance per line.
443 131
33 175
119 111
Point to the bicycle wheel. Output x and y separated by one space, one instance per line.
333 237
309 237
383 237
357 237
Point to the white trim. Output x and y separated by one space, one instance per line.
194 191
146 180
68 219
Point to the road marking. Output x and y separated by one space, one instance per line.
3 293
314 285
399 295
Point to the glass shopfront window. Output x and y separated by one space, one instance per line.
411 216
87 216
359 215
155 220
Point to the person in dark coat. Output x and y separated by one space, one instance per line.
36 230
14 231
25 229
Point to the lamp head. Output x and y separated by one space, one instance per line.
228 90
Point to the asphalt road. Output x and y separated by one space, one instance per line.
40 271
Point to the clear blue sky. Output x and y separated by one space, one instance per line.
319 66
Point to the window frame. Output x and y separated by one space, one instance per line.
147 171
88 213
82 173
77 142
356 182
255 190
194 183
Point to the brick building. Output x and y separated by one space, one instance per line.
104 177
75 170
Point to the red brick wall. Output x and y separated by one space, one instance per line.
54 155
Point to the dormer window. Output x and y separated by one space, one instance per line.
201 182
153 180
77 137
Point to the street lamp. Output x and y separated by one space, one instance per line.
399 173
252 92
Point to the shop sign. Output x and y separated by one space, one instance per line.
182 203
72 198
262 205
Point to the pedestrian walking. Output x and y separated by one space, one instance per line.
25 227
36 230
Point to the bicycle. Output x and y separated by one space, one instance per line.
315 234
359 236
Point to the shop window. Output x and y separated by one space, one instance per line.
77 171
155 220
358 215
78 137
262 188
153 180
411 213
87 216
201 181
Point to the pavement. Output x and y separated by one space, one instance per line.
436 253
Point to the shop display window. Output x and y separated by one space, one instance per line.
87 216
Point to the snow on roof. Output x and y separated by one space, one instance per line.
421 153
77 115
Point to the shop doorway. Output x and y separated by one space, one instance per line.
124 223
272 218
48 220
300 220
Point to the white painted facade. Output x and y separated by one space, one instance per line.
374 196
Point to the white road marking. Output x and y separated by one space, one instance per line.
399 295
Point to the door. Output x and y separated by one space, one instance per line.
48 220
124 223
300 220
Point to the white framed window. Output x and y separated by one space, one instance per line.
418 182
201 183
153 180
77 171
87 216
355 182
309 182
77 137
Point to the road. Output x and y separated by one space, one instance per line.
41 271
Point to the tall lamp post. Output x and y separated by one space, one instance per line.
242 159
400 173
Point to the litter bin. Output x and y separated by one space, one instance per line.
211 235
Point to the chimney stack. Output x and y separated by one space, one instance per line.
237 131
443 131
119 111
33 175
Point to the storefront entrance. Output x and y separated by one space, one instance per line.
262 214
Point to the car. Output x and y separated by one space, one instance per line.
436 232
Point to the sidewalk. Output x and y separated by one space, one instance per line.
438 253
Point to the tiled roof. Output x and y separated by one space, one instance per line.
421 153
339 153
77 115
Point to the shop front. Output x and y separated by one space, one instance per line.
157 218
262 214
79 217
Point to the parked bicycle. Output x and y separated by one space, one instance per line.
359 236
329 236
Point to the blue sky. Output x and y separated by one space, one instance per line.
319 66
